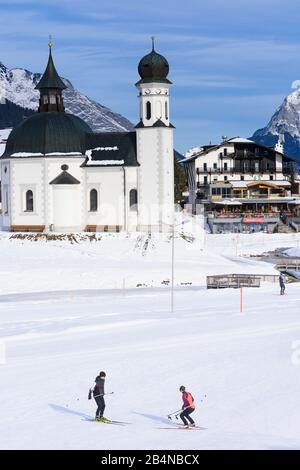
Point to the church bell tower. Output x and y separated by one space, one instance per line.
50 87
155 150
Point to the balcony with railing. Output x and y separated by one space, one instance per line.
242 170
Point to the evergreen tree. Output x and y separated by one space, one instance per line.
180 182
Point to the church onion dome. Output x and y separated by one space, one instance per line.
47 133
50 78
153 67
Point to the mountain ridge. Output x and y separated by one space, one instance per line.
285 121
19 99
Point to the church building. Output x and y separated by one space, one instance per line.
59 175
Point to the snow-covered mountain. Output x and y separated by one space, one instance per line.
19 99
286 121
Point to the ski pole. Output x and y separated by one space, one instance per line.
175 412
102 394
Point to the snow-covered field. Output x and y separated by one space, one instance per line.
68 311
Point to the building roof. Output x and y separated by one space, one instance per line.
46 133
204 150
240 140
64 177
158 123
50 78
153 67
262 183
245 184
111 149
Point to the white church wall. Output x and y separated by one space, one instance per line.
5 184
35 174
155 177
52 168
66 201
109 182
166 183
131 212
26 175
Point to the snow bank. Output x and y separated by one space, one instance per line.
133 259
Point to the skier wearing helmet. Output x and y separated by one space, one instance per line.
188 407
98 393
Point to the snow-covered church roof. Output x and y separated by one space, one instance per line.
111 149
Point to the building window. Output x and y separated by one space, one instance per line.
148 110
215 166
225 178
271 177
93 200
45 99
29 201
204 166
166 110
225 166
225 152
242 177
133 200
205 180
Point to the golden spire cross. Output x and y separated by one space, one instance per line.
50 44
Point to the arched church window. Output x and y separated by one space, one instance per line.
29 201
93 200
148 110
166 110
52 99
133 199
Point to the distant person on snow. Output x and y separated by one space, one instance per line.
188 407
281 283
98 393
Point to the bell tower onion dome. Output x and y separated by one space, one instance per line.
153 67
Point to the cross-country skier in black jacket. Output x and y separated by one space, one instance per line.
98 393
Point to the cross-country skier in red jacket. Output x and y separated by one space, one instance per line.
188 407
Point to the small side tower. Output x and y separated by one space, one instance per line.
51 87
155 149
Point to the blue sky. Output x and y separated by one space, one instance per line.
231 62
